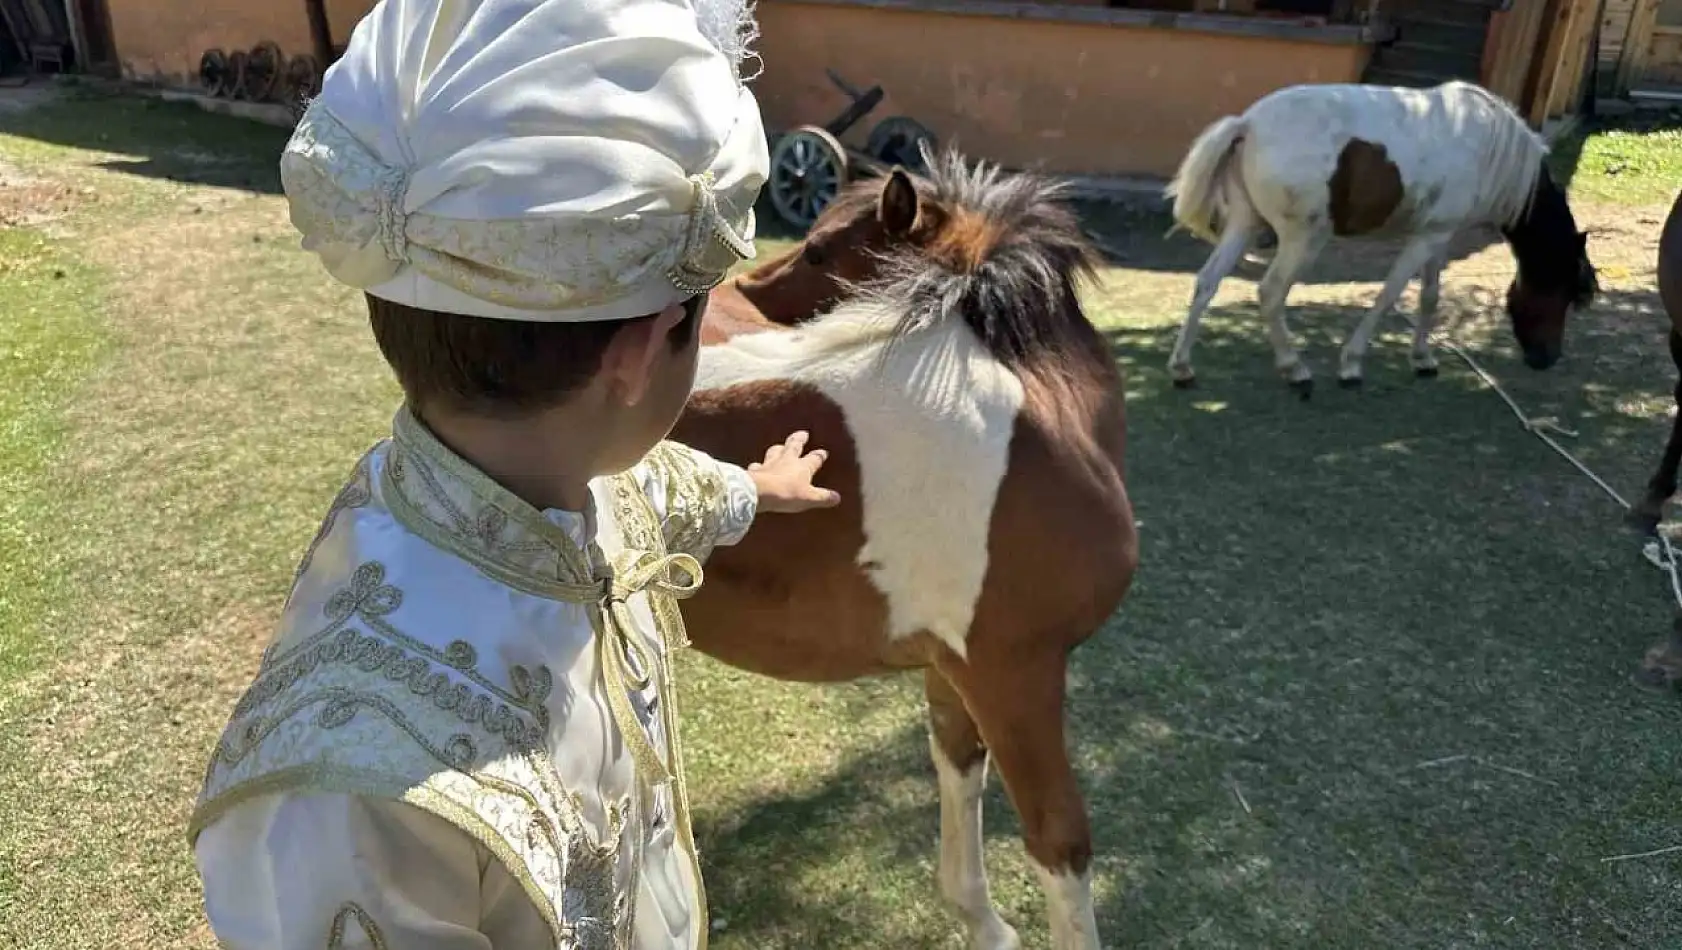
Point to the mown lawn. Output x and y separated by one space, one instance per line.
1370 690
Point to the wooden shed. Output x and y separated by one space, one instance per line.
1640 50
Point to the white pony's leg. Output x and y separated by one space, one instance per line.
1074 920
1297 249
1235 240
963 862
1413 257
1430 287
960 762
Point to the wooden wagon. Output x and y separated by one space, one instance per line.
809 165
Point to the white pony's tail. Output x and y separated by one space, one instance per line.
1197 188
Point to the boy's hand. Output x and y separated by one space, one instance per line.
784 479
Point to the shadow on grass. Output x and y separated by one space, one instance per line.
175 141
1370 688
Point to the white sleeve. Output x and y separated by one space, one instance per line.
328 871
703 503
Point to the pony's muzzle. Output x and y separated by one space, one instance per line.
1541 357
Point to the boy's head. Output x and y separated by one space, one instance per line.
535 196
633 376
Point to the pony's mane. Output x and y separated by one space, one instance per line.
1007 256
1511 154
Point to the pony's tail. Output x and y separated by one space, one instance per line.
1197 186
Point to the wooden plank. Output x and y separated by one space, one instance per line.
1632 58
1550 64
1516 35
1574 61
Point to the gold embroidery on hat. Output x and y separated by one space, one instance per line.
711 246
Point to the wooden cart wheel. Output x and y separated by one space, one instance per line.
899 140
808 169
214 77
237 61
303 83
262 71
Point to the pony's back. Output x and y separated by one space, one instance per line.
1461 152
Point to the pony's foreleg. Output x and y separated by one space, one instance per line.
960 761
1650 510
1430 289
1408 263
1297 249
1017 700
1235 240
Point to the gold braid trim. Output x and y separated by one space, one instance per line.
348 912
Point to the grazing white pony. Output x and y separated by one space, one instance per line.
1318 161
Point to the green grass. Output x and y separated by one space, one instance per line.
50 335
1630 161
1392 622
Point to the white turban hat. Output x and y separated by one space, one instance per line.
537 160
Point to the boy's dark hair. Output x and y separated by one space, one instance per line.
498 367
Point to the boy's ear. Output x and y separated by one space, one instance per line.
628 362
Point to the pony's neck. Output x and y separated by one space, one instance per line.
763 288
1540 240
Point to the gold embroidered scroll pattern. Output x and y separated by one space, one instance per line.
354 494
703 507
496 782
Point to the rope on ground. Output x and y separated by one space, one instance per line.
1659 552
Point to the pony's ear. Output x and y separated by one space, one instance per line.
897 207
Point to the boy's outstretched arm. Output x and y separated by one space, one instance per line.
704 503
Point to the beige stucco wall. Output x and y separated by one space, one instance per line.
162 40
1073 98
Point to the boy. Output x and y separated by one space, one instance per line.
463 734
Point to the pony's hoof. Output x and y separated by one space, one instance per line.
1304 388
1349 382
1425 372
1185 382
1643 520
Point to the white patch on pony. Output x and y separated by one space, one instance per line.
931 420
963 854
1068 899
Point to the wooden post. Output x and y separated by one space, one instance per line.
1632 57
1552 61
321 33
1573 57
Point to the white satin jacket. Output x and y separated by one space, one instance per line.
463 735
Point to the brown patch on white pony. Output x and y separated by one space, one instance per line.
763 598
1366 189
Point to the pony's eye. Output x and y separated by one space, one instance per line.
813 255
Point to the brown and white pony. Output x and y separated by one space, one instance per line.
975 424
1318 161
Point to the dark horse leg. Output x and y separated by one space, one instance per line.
1647 514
